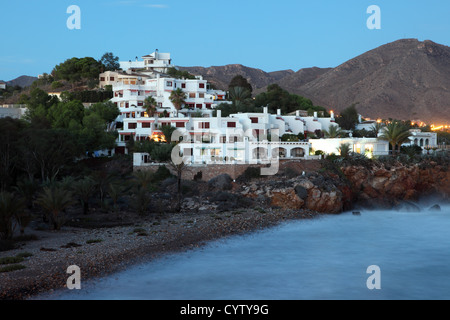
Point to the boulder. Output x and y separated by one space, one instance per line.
221 182
436 207
301 192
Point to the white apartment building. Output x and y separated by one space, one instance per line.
15 111
238 138
423 139
154 62
2 85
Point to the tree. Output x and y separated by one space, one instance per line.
396 134
348 118
107 111
333 132
240 81
54 200
110 62
239 94
10 207
344 150
77 69
83 189
376 128
178 98
67 115
179 169
167 131
94 135
179 74
10 131
150 106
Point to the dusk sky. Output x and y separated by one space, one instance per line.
270 35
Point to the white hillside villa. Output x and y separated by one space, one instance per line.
207 136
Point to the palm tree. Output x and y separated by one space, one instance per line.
376 128
10 209
167 131
150 106
333 132
396 134
344 150
178 98
54 200
239 94
84 189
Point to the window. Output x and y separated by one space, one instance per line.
111 78
201 85
254 120
191 94
102 78
208 105
169 83
180 125
231 124
203 125
183 85
140 104
146 124
126 105
132 125
223 139
201 95
199 105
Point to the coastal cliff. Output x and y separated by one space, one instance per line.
338 187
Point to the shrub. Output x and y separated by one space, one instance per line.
11 260
24 255
56 84
12 267
161 174
250 173
94 241
319 153
6 245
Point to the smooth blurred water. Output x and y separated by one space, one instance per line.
324 258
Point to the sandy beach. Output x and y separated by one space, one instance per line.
99 252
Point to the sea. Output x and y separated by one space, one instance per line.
401 254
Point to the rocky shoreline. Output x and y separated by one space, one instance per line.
100 252
211 210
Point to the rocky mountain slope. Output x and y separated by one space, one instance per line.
406 79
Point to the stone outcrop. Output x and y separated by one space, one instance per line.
315 192
331 191
381 186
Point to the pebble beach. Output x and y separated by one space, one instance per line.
102 251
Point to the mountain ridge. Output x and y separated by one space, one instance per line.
405 79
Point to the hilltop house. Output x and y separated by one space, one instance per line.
2 85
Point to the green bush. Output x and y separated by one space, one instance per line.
161 174
11 260
56 84
319 153
12 267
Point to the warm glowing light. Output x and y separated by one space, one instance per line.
158 137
